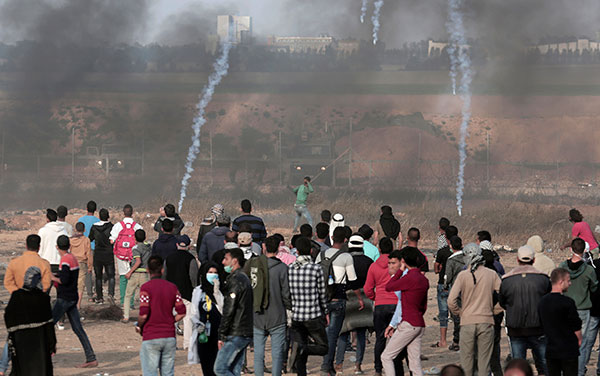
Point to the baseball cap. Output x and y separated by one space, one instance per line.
525 254
356 241
245 238
183 241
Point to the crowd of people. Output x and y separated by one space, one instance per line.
330 286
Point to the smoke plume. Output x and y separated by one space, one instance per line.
456 29
363 10
220 70
375 19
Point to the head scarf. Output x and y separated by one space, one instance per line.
389 224
473 258
33 278
336 221
208 288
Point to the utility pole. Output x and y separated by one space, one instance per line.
211 159
487 158
280 160
73 154
350 156
419 161
143 150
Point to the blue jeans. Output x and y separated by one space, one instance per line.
537 344
231 356
337 313
361 342
278 347
588 342
158 354
69 307
5 358
442 300
301 210
584 315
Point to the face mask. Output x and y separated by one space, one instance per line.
212 277
228 269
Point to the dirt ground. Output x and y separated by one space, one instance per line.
117 345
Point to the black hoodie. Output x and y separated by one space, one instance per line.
178 224
100 232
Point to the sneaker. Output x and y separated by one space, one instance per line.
358 370
60 326
99 301
339 369
91 364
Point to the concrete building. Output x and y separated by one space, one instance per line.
434 47
300 44
347 45
236 28
580 44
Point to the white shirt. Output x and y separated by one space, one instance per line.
67 226
343 265
114 233
49 233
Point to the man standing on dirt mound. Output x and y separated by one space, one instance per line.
302 192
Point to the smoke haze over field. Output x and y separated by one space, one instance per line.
501 22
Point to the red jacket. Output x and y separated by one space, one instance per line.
377 279
413 286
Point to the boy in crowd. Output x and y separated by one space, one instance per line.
67 297
138 274
81 248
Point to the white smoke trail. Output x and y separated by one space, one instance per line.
458 37
375 19
220 70
453 65
363 10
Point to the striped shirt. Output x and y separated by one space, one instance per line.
257 226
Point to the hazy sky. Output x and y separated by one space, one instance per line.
184 21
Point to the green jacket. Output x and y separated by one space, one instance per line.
583 283
302 192
258 271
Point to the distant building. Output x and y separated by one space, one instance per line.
579 44
347 45
435 48
300 44
238 29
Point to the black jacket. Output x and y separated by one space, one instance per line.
520 293
238 314
178 224
100 232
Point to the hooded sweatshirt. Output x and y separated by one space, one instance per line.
583 283
81 248
212 242
377 279
455 264
541 262
165 245
49 233
100 233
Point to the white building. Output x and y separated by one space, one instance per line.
238 29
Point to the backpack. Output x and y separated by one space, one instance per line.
327 265
125 241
